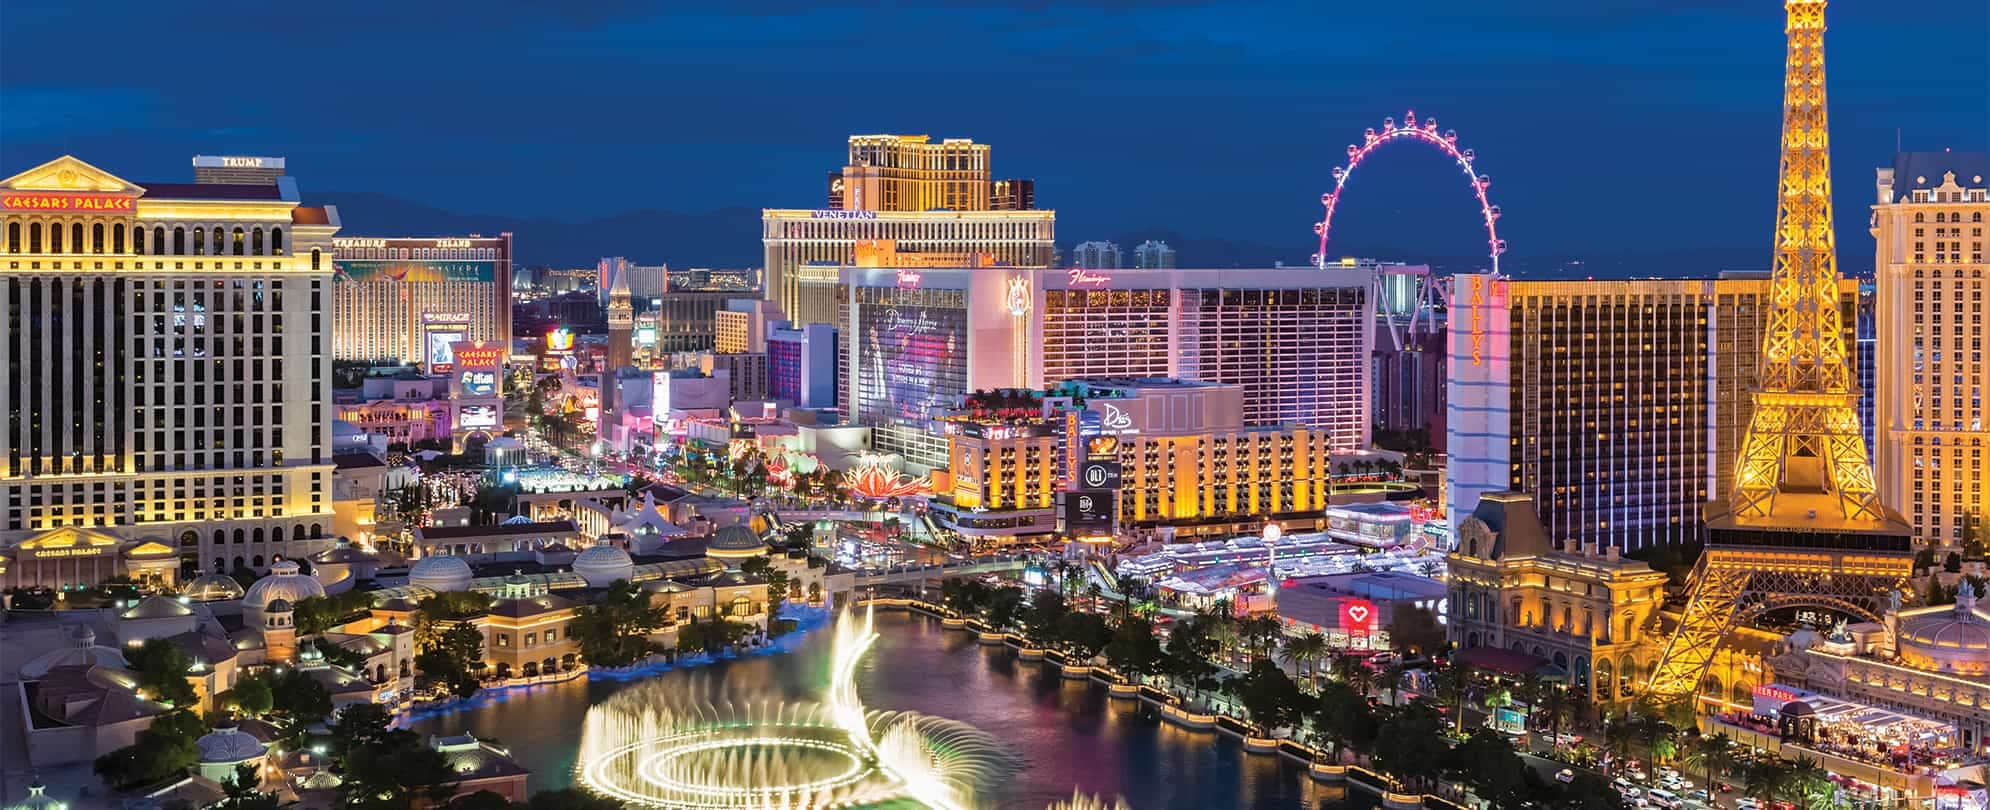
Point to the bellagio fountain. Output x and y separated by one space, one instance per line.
667 747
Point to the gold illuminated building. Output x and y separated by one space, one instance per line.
1803 525
904 199
911 173
169 368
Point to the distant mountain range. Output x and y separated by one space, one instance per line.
730 237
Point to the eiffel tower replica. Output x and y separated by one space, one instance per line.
1802 526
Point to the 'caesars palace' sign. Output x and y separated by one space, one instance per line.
68 202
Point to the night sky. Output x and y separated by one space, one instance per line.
1607 126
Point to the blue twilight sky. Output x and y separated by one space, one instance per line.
1606 125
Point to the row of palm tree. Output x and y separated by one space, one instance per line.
1335 708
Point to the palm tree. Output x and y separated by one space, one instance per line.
1393 677
1619 734
1808 785
1302 651
1712 754
1764 777
1354 672
1127 585
1451 683
1264 631
1530 690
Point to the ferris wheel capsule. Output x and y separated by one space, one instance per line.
1492 212
1499 247
1409 119
1451 136
1468 154
1369 133
1352 150
1327 198
1319 229
1316 260
1485 182
1339 172
1430 126
1389 124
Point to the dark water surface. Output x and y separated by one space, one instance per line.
1068 733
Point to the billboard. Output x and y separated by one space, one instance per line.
476 417
428 272
1089 511
560 341
914 359
479 382
441 351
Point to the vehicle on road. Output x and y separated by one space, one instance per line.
1700 796
1565 776
1660 797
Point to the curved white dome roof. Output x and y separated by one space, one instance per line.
736 541
283 583
603 564
229 745
83 650
212 588
1956 640
441 574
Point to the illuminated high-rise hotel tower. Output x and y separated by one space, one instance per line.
1802 524
908 202
169 357
1929 408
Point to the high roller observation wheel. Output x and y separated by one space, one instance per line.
1445 141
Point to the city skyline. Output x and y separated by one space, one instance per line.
1696 82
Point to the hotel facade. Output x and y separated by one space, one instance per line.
914 341
169 375
405 300
1618 405
936 200
1156 455
1930 437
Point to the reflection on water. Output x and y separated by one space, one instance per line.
1069 733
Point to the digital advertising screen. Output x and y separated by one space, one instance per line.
915 359
473 417
442 350
1089 511
479 382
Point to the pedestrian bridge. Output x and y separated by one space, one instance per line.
914 572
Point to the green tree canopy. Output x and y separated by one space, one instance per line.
614 630
162 669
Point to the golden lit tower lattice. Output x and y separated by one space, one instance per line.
1802 526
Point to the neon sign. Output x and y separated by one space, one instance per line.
1113 418
835 214
1357 616
1079 276
909 279
67 202
560 339
478 356
1019 296
1478 320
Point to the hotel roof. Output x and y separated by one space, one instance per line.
212 191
